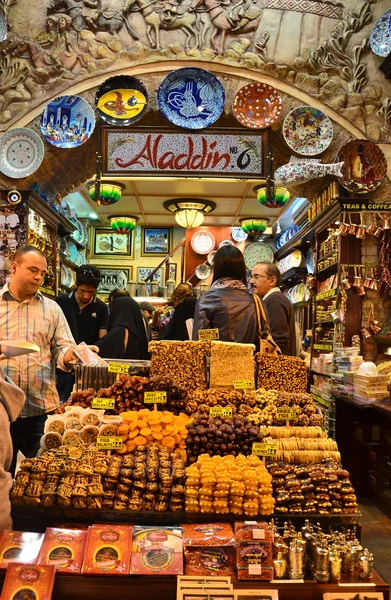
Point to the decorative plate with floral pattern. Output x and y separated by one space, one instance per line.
203 242
257 252
257 105
307 130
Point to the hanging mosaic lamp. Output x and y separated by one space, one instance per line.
110 192
278 200
254 227
123 224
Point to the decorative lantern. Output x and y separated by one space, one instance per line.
254 227
123 224
189 212
110 192
278 200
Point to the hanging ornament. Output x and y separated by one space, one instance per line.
109 192
123 224
254 227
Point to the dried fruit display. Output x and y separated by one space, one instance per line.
220 436
230 361
183 362
283 373
321 488
223 485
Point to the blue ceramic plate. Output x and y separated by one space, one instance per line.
68 121
238 234
191 98
380 39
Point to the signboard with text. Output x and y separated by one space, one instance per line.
197 154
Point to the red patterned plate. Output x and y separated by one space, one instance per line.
365 166
257 105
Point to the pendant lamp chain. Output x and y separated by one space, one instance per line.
270 191
98 162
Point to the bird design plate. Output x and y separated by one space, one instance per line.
307 130
68 121
203 271
121 100
203 242
257 252
365 166
191 98
257 105
380 39
21 153
238 234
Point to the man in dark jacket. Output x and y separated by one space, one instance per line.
265 280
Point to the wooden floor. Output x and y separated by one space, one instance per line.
376 535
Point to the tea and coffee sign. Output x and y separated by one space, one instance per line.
190 154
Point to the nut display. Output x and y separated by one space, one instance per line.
222 485
220 436
321 488
202 400
283 373
151 479
227 360
183 362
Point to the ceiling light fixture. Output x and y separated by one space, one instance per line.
123 224
189 212
253 227
110 192
279 200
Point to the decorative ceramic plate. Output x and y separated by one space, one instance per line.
211 257
3 28
380 39
238 234
21 153
203 242
307 130
294 259
121 100
365 166
203 271
191 98
68 121
310 261
72 251
298 293
257 252
257 105
226 243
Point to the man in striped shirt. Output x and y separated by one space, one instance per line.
26 315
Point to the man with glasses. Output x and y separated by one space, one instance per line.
265 280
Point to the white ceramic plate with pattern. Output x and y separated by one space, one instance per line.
380 38
21 153
238 234
3 28
257 252
203 242
307 130
211 257
203 271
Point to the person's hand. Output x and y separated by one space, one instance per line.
71 356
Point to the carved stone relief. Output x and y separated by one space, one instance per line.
320 47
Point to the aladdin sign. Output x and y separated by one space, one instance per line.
188 154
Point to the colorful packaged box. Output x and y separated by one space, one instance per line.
108 550
214 560
28 581
247 531
64 549
254 553
208 534
157 551
19 546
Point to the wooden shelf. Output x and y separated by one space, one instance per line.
328 269
293 276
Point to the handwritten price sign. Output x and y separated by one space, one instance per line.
121 368
208 334
287 414
105 442
263 449
223 411
243 384
155 397
105 403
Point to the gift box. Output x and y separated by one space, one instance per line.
108 550
64 549
19 546
157 551
28 581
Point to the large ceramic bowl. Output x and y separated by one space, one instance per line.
364 168
68 121
307 130
121 100
191 98
257 105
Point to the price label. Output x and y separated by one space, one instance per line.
103 403
327 347
155 397
224 411
208 334
243 384
118 368
105 442
325 295
263 449
287 414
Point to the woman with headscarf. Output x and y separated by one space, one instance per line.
126 337
227 305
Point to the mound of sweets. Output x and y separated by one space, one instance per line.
222 485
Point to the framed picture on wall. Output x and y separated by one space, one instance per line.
113 278
144 272
109 243
172 271
156 241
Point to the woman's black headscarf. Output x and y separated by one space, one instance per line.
124 314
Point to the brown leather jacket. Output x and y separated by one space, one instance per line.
231 311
